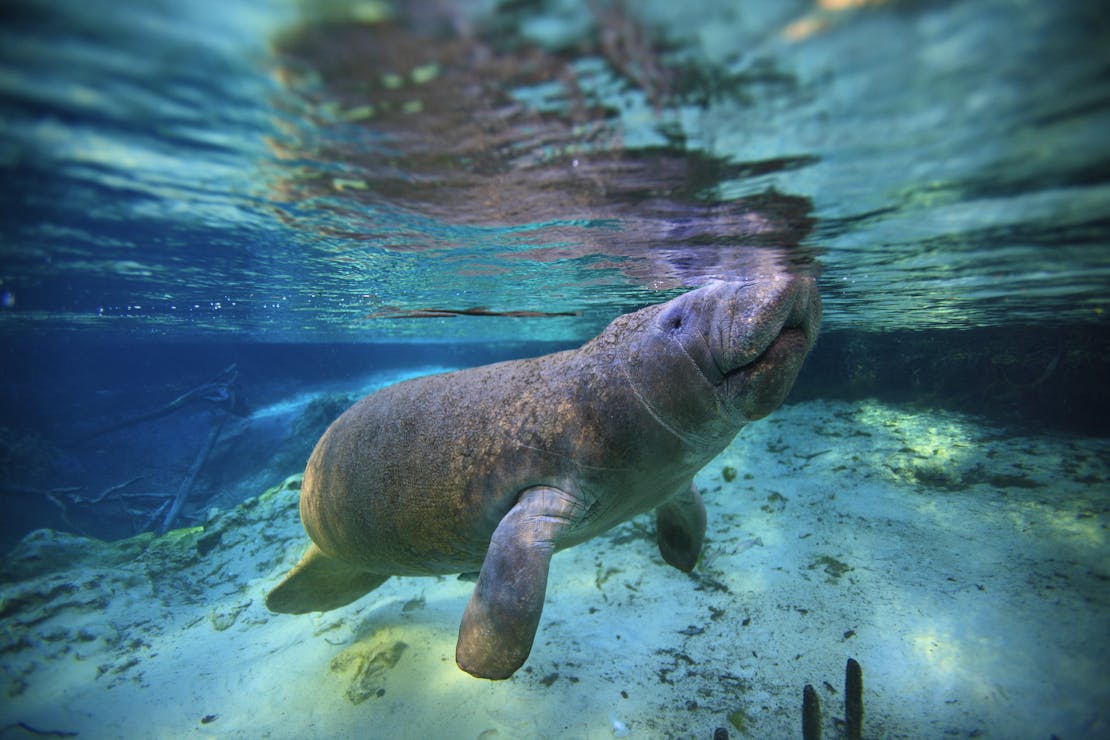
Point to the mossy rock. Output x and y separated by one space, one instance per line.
47 551
173 550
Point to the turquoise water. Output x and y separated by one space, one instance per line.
223 222
257 170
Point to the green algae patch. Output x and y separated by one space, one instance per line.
368 665
184 538
45 551
776 502
739 719
833 568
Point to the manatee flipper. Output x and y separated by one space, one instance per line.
500 621
680 529
319 583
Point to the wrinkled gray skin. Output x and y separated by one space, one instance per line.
498 467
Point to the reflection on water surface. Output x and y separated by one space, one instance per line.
259 169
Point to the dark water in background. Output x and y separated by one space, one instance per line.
314 193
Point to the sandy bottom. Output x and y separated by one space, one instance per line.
966 569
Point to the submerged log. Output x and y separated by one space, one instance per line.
853 700
187 484
811 714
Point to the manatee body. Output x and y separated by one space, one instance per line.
497 467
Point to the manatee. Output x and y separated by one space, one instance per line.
495 468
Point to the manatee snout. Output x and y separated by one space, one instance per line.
772 326
748 338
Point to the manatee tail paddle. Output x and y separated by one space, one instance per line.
319 583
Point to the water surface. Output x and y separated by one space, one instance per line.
264 170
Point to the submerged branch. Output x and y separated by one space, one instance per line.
187 484
219 389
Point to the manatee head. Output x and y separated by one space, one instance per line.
748 338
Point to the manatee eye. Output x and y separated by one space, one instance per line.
674 323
